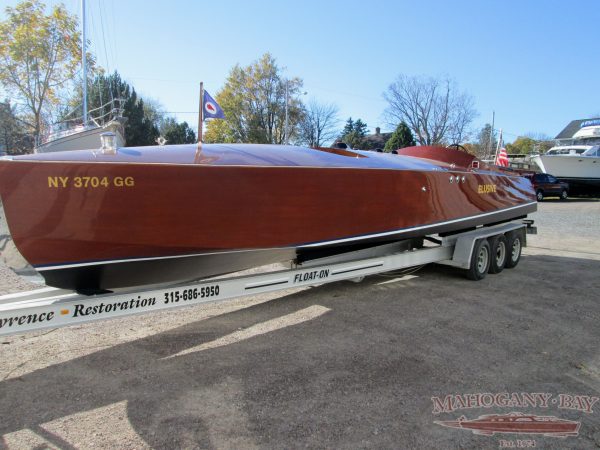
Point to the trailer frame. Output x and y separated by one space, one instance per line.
53 308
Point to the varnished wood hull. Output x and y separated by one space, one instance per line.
153 222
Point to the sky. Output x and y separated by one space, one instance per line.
534 63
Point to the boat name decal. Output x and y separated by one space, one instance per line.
90 182
486 189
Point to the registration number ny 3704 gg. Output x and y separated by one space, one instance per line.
90 182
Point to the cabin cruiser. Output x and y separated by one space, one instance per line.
578 165
576 157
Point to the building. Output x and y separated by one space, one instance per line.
377 140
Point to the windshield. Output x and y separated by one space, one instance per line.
566 151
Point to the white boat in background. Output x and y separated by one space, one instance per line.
84 132
577 161
578 165
74 135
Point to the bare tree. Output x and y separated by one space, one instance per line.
319 124
434 109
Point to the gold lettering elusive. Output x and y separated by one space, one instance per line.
486 188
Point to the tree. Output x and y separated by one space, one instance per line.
401 137
526 145
487 142
14 139
434 109
177 133
154 111
318 124
354 132
254 100
521 145
139 130
348 127
39 54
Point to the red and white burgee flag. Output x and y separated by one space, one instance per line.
502 158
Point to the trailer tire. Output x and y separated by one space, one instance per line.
480 260
514 245
499 253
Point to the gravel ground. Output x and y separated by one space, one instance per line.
343 365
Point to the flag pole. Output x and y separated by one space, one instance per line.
498 146
201 113
492 133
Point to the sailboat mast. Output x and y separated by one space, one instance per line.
84 63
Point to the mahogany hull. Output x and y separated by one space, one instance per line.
89 224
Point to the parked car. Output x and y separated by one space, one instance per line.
547 185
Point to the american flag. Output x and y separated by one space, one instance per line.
502 158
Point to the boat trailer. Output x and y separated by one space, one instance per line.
53 308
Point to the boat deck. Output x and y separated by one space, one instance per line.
255 155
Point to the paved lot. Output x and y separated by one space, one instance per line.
339 366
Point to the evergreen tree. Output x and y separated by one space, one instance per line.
360 128
348 127
401 137
354 132
139 130
177 133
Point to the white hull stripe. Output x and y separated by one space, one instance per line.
313 245
117 261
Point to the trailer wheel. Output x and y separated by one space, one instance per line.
480 261
514 244
498 249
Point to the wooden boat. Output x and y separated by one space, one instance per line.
95 220
516 422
